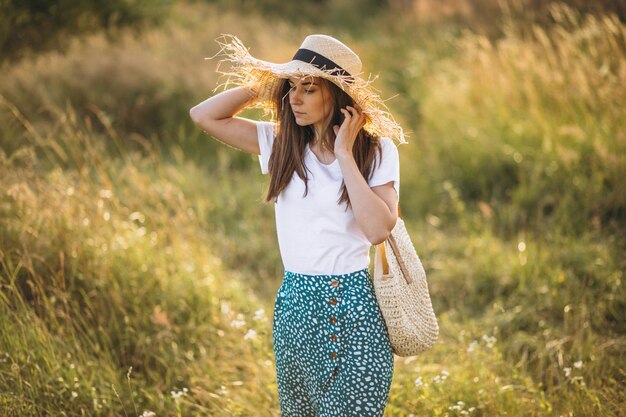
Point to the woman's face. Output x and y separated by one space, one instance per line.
310 102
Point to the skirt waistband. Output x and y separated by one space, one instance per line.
350 276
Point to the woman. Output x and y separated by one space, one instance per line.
334 178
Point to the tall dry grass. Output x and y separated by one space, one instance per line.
127 235
537 118
108 264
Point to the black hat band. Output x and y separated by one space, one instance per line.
320 61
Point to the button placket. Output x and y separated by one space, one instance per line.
333 300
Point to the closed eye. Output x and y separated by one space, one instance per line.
308 91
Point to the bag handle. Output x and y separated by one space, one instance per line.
394 247
383 251
383 256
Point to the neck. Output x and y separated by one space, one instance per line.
317 139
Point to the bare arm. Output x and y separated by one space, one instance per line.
375 208
216 116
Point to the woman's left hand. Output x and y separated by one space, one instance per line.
347 133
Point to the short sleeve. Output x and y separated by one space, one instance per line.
389 167
265 135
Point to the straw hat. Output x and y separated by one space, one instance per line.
320 56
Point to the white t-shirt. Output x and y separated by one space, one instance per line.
316 236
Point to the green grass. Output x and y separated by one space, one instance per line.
136 254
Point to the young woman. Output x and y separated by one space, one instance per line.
334 179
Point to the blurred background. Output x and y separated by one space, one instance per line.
139 264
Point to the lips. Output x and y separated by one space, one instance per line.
297 113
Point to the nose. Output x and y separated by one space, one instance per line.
295 95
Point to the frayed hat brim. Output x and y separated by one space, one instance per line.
265 77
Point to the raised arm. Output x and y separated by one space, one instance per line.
216 116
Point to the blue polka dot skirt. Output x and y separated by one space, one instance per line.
331 346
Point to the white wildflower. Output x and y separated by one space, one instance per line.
176 394
472 346
250 335
237 323
489 340
259 314
104 193
568 371
137 216
578 364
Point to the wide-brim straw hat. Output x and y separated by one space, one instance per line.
320 56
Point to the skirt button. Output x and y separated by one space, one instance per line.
333 301
334 283
333 355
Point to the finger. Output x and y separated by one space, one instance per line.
359 123
352 109
363 119
357 117
356 120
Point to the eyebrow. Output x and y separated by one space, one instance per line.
304 83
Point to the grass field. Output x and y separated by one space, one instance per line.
138 263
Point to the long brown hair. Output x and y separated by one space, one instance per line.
288 150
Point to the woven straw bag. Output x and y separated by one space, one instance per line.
402 294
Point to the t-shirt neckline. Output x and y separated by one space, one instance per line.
308 147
